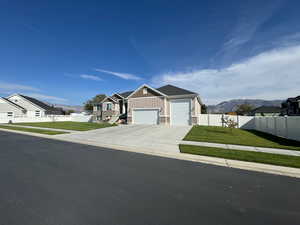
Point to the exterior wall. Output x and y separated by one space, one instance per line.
147 102
109 113
196 111
5 107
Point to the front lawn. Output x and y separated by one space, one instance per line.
260 157
32 130
68 125
224 135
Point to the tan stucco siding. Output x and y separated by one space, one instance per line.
147 102
197 107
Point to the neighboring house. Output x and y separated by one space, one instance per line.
167 105
291 107
9 109
266 111
97 108
21 105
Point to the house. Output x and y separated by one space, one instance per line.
168 105
266 111
9 109
21 105
291 107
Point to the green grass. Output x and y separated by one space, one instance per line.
260 157
239 137
33 130
79 126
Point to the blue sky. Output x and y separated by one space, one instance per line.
69 51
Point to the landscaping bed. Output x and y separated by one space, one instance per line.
260 157
69 125
238 136
32 130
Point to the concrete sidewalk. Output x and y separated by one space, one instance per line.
243 148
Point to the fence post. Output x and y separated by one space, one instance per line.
286 127
208 119
238 121
275 126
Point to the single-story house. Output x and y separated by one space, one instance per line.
21 105
266 111
169 105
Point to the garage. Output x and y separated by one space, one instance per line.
145 116
180 111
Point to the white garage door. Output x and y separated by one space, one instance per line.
145 116
180 112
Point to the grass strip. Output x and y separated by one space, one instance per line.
69 125
32 130
259 157
237 136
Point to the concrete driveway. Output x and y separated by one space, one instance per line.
144 137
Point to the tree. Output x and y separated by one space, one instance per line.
88 105
244 109
230 123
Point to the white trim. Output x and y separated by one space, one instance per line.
182 96
148 97
133 109
145 85
109 98
146 108
118 95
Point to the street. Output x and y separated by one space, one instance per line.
52 182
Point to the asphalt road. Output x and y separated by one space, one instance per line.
46 182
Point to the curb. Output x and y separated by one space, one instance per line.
251 166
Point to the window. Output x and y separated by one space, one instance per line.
10 114
145 91
98 118
108 106
16 100
37 113
98 108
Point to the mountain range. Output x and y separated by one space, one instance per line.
223 107
231 105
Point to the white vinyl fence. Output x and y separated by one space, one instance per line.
49 118
245 122
287 127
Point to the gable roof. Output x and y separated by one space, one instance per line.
146 86
109 97
38 103
126 94
267 109
12 103
296 99
173 90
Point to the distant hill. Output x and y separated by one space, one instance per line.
231 105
